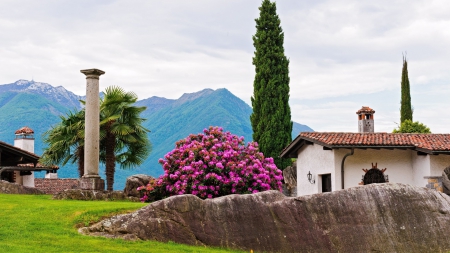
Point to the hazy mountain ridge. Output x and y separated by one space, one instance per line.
39 105
57 94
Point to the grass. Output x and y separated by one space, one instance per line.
36 223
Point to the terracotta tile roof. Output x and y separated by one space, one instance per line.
428 143
38 166
365 109
25 130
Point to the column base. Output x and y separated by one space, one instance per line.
92 183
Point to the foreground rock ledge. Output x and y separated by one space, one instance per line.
377 217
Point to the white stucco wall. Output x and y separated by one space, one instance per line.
421 169
313 158
438 163
28 180
403 166
398 164
27 145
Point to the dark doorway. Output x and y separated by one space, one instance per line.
7 176
326 183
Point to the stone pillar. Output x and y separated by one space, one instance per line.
91 180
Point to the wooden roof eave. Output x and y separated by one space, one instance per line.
291 150
18 151
19 168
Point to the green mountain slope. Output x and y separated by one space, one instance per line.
26 109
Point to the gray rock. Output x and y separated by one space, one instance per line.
446 180
133 182
12 188
79 194
290 180
378 217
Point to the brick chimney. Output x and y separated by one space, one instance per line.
365 120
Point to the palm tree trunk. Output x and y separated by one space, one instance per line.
80 154
110 160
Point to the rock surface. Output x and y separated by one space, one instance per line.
290 180
446 180
133 182
11 188
78 194
377 217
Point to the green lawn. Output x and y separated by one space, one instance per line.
36 223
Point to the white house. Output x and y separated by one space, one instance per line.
336 161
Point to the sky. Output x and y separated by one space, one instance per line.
343 54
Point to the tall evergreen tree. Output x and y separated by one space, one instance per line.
271 117
406 112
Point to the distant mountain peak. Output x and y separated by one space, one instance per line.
58 94
21 82
193 96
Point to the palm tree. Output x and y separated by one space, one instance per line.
123 138
66 141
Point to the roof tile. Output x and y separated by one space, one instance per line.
432 142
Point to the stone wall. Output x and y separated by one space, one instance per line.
435 183
13 188
55 185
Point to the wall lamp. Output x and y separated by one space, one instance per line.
310 179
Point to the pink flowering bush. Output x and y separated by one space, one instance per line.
214 164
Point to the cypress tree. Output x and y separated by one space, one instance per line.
406 112
271 117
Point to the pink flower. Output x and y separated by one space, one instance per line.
220 160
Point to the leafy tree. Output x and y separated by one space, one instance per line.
271 117
406 111
213 164
408 126
66 141
123 137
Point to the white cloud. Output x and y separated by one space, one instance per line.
343 54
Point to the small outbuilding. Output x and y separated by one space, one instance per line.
330 161
18 163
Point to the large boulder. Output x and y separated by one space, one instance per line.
133 182
12 188
377 217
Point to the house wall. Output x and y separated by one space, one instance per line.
403 166
421 169
313 158
28 180
398 163
438 163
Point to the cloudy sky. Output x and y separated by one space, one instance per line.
343 54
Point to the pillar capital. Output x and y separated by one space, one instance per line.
92 73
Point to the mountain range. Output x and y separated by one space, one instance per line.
38 105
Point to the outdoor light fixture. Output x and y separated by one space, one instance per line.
309 175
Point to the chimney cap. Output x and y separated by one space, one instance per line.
25 130
365 110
